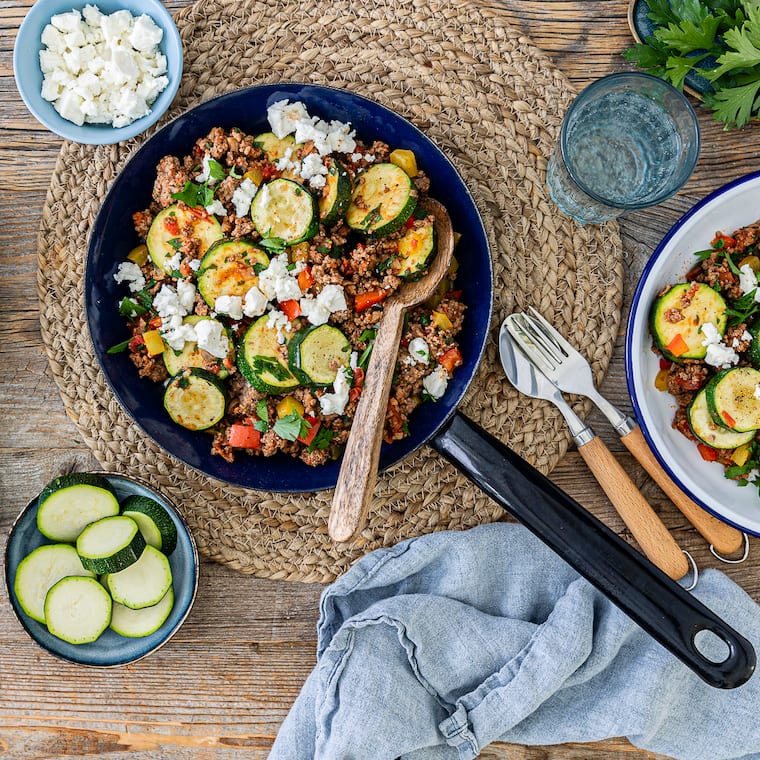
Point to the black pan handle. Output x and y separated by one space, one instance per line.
670 614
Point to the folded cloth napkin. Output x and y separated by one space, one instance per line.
434 648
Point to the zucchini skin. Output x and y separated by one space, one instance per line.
261 340
158 516
329 343
383 199
176 397
117 560
229 269
55 609
334 203
206 231
284 194
706 430
727 413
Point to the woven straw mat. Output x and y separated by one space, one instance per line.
493 103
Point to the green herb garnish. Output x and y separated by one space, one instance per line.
291 426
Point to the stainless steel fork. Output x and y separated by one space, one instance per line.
565 366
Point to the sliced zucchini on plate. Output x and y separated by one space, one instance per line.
192 356
77 609
316 353
144 582
285 210
384 198
703 426
168 228
39 571
416 249
142 622
261 361
336 194
676 328
230 268
275 147
195 399
110 545
71 502
733 399
156 525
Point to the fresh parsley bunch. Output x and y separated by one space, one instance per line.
716 39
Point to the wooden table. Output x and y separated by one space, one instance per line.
222 687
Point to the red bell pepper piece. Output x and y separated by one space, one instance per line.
728 241
314 425
172 225
291 309
707 453
665 364
365 300
241 435
305 279
677 346
450 360
356 390
728 419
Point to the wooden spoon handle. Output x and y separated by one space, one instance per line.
647 528
724 538
358 473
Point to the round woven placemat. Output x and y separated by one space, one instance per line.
494 104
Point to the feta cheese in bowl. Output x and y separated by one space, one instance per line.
97 72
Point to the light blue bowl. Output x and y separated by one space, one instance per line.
110 649
28 74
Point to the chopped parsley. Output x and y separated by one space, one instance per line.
291 426
195 195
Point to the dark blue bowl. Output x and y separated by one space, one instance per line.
110 649
113 236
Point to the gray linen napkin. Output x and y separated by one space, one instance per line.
442 644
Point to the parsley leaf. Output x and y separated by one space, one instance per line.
195 195
274 244
216 170
322 440
291 426
119 347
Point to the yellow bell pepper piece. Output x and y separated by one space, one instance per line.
661 380
287 406
406 160
138 255
741 455
254 175
441 321
154 343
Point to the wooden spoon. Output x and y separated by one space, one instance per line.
358 472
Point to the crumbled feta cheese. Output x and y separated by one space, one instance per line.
718 353
195 264
279 322
335 402
230 305
130 273
101 68
287 118
254 303
756 394
353 362
168 304
436 382
284 116
419 351
748 280
242 197
176 333
217 207
210 336
329 300
277 282
186 294
172 264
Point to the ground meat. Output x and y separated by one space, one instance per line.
717 272
149 367
746 236
735 337
243 398
142 221
685 379
170 178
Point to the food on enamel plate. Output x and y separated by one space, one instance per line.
256 294
109 567
706 331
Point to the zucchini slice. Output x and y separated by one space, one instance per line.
676 328
261 361
156 525
285 210
416 249
39 571
192 356
316 353
384 198
336 194
230 268
71 502
174 223
275 147
732 400
195 399
110 544
703 426
77 609
142 622
143 583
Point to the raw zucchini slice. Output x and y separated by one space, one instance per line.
192 356
703 426
77 609
416 249
156 525
275 147
733 399
230 268
285 210
316 353
676 328
142 622
195 399
336 194
384 198
110 544
171 225
143 583
39 571
261 361
71 502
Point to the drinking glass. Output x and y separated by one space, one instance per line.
628 141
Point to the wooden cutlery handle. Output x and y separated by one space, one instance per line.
724 538
647 528
358 473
